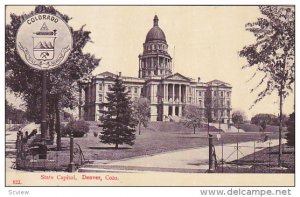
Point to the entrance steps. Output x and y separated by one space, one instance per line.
226 129
177 127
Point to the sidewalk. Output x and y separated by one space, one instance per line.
188 161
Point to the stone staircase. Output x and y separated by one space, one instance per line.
177 127
226 129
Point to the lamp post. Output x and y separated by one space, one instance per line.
71 167
43 110
210 153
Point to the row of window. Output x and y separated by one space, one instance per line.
155 46
222 93
101 86
222 113
215 103
155 72
109 86
101 97
135 89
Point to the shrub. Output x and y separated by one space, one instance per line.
290 136
78 128
95 134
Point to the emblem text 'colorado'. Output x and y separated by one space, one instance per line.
44 41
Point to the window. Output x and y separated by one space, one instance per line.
215 93
100 97
228 103
135 90
221 93
200 93
200 103
100 86
228 113
228 94
221 103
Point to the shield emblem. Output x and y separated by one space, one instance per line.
43 48
43 44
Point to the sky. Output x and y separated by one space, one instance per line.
203 40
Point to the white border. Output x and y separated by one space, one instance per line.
131 191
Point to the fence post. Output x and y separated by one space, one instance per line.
254 165
222 155
22 149
210 153
269 156
71 167
18 151
237 154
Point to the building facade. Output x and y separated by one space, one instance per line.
167 92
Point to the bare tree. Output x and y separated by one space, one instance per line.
273 54
193 117
238 116
141 109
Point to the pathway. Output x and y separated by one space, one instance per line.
188 160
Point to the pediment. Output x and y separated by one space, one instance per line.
218 83
178 77
107 74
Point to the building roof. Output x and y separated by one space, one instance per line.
178 76
155 33
106 74
218 83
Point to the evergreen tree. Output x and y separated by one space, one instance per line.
118 121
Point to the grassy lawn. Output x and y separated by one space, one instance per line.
151 141
254 128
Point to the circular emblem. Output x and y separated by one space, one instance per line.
44 41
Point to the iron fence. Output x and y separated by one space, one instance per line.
35 155
242 156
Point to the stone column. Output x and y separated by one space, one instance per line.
173 110
186 94
173 95
179 96
167 92
96 92
152 93
180 111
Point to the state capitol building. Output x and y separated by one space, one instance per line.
167 92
